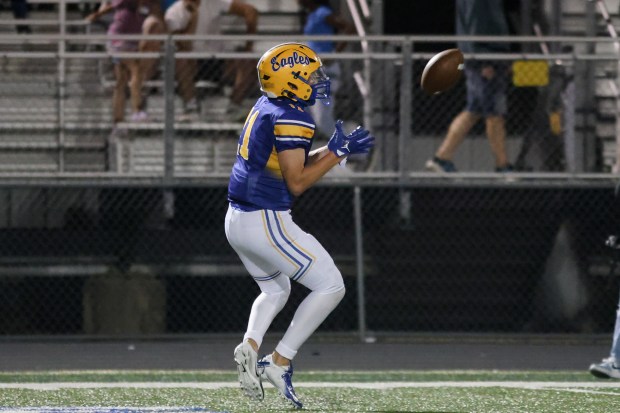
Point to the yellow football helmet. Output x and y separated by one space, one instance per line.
295 71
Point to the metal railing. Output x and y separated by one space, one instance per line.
395 56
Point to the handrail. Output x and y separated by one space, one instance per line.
359 26
42 22
59 2
298 37
543 45
609 23
77 179
362 81
365 9
341 56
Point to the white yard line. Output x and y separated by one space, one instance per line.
104 409
534 385
608 393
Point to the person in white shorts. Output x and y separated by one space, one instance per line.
238 73
182 18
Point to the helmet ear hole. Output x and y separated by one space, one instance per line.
292 86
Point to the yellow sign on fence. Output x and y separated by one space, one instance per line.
530 73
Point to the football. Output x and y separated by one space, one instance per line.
442 71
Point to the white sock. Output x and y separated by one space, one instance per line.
312 311
264 310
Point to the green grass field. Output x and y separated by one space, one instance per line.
389 391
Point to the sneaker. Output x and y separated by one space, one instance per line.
503 169
440 165
249 379
607 369
139 116
280 377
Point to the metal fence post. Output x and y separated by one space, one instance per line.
359 263
569 123
586 104
169 68
404 126
169 75
62 84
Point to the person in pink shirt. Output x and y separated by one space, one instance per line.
128 19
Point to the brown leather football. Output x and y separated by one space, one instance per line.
442 71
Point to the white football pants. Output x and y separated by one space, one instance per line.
275 250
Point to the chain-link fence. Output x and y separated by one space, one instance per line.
123 254
105 259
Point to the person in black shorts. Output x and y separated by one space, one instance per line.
486 84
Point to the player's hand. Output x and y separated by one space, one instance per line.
357 142
360 141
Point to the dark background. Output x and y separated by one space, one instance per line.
468 259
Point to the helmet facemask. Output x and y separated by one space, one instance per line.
319 81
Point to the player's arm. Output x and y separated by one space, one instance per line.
317 154
300 175
104 9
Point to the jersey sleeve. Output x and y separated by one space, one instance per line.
293 129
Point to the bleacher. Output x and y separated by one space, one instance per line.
46 132
605 110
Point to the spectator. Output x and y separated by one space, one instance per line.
181 18
486 84
127 19
20 11
240 73
542 148
321 20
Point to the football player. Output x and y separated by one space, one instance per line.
274 164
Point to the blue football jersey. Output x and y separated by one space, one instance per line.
272 126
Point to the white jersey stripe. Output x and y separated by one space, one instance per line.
306 140
295 122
